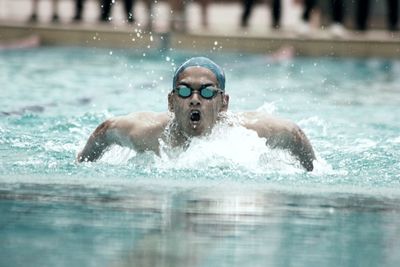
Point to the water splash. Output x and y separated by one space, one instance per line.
347 108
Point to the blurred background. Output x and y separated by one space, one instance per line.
254 23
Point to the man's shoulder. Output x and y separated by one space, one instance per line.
141 120
138 127
264 122
255 117
149 117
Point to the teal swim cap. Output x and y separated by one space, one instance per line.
204 63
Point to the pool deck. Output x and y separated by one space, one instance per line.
219 36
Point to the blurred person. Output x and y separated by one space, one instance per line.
337 16
178 19
248 7
362 14
204 12
393 15
78 10
106 6
338 9
31 41
309 8
178 15
35 9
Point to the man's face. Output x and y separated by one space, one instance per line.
196 115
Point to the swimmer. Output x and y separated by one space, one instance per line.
197 103
32 41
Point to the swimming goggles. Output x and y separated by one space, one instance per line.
206 92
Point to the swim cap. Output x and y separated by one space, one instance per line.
204 63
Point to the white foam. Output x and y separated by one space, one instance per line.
321 167
267 107
363 144
58 147
395 140
314 125
228 147
118 155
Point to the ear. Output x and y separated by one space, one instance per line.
225 102
170 102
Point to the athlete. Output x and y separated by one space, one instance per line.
196 103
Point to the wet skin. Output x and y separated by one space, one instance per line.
196 115
189 117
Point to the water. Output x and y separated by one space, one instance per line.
227 200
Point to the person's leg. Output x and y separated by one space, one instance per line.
393 14
55 17
204 12
34 17
309 5
105 10
362 14
78 10
149 9
178 15
337 29
276 13
337 11
129 10
247 7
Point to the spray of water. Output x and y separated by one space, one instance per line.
228 147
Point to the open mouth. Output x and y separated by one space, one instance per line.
195 116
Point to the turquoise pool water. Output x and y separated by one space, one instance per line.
227 200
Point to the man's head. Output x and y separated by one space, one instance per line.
205 63
198 95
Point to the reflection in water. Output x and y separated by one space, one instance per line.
273 229
65 225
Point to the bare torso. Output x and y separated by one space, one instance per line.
143 131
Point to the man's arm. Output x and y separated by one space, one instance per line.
297 143
97 144
117 130
139 131
282 134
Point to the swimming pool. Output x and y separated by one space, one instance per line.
225 201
